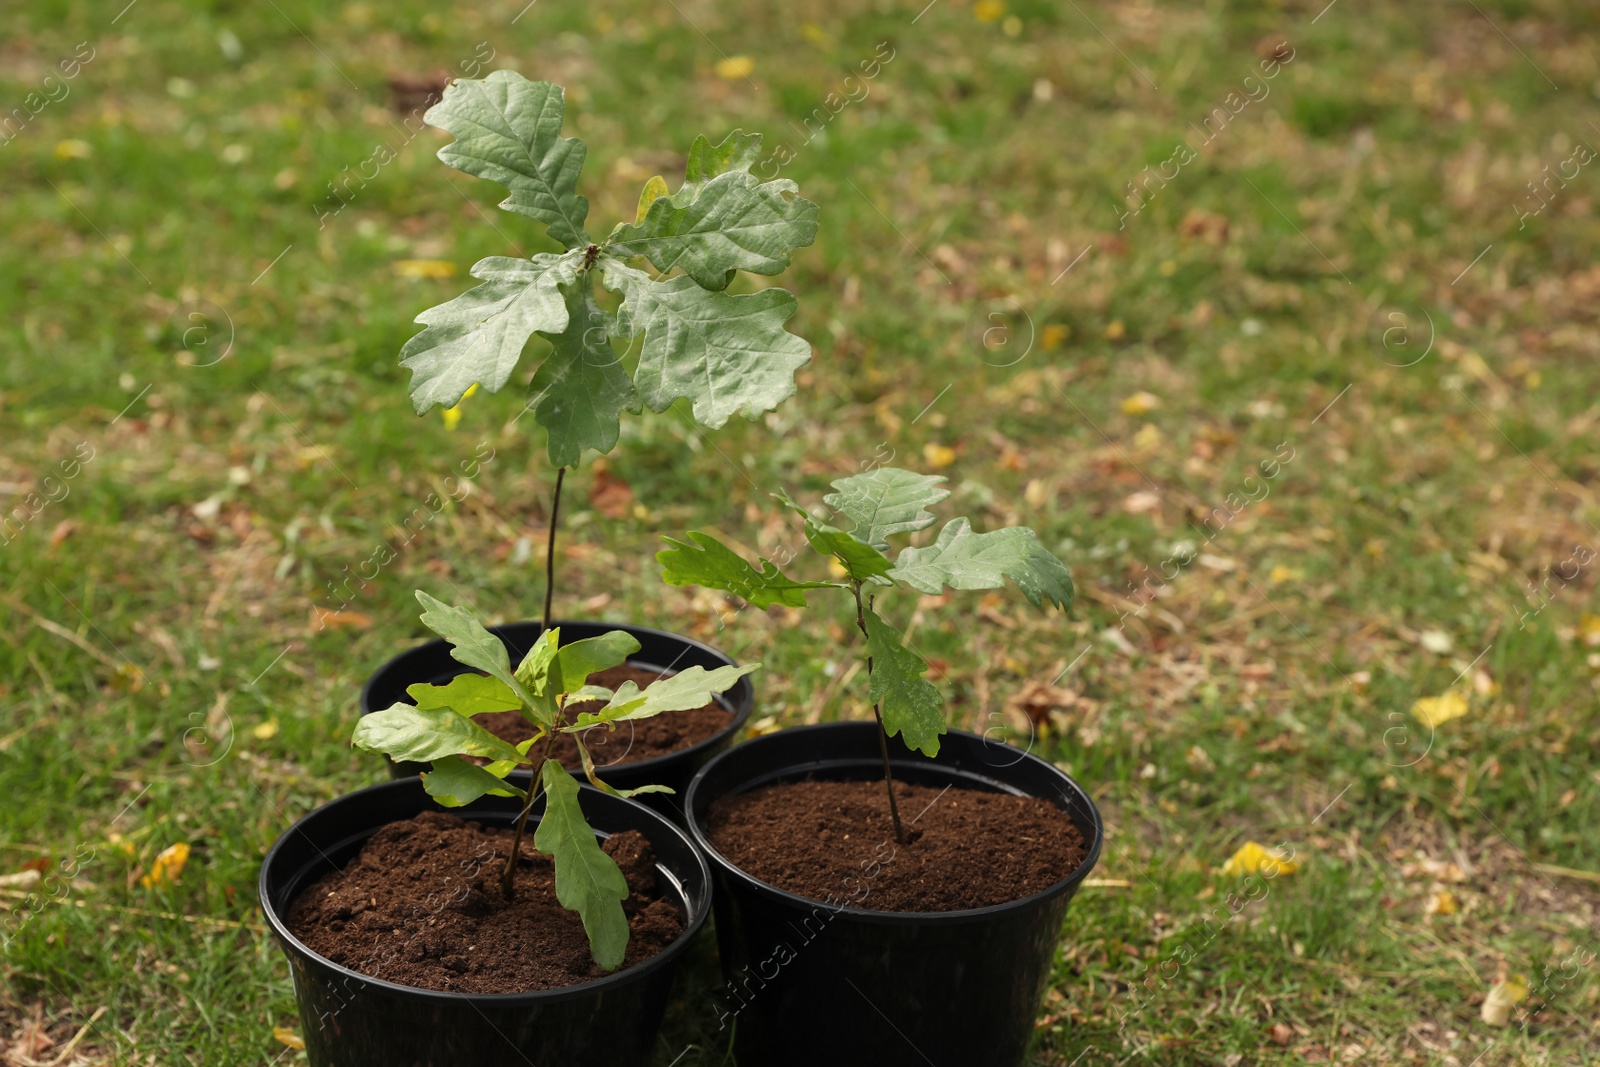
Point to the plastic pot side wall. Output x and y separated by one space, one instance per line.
431 662
810 984
353 1020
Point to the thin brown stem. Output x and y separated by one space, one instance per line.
883 735
550 548
508 888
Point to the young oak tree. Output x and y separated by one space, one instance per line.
545 688
879 504
726 353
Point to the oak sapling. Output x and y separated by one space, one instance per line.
879 504
727 354
546 687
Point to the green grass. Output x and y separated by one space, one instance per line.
169 593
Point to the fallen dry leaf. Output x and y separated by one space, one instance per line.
1140 403
1443 903
167 867
938 456
1502 997
1432 711
1280 1033
735 67
1251 858
610 495
285 1036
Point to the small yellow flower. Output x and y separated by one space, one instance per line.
735 67
1252 858
453 415
167 866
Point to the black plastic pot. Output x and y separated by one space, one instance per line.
351 1020
812 984
658 650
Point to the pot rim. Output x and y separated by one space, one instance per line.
594 986
739 712
873 915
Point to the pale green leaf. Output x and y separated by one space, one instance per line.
732 222
466 694
470 642
962 559
478 337
594 779
886 501
653 190
728 354
692 688
581 390
508 130
911 706
409 734
738 151
710 563
454 782
588 881
579 659
860 560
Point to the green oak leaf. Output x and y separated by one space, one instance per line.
710 563
588 881
470 642
692 688
886 501
730 223
478 337
409 734
860 560
508 130
535 672
911 706
962 559
581 390
594 779
653 190
466 694
728 354
579 659
737 152
454 782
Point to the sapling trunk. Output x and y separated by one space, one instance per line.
883 735
550 548
508 887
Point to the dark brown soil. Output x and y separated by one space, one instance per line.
421 906
630 741
834 842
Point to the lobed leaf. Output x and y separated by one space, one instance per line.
729 223
910 705
508 130
588 881
478 337
466 694
470 642
454 782
579 659
861 561
710 563
962 559
409 734
581 390
728 354
738 151
692 688
886 501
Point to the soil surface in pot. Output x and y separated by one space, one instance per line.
421 906
834 842
630 741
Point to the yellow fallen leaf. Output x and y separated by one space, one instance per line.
938 456
425 268
1589 628
989 10
265 731
735 67
1053 334
1148 439
1251 858
66 150
1140 403
1115 330
1432 711
817 35
452 415
1502 997
167 866
285 1036
1443 902
1281 574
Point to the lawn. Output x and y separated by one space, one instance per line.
1277 321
